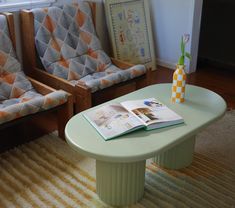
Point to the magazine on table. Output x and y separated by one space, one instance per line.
116 119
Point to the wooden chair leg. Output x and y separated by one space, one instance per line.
83 99
83 103
63 116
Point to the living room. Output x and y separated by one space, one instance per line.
39 169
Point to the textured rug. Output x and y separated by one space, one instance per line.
47 173
218 140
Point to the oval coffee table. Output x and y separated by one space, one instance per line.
120 163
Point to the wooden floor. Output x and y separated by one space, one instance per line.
218 80
221 81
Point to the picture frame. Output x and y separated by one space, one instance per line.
130 31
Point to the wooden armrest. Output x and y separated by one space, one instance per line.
79 91
40 87
121 64
82 87
52 80
56 82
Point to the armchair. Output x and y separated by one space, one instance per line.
22 97
71 56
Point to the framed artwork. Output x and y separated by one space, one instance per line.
130 31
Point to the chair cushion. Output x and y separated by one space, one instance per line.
78 67
29 103
13 85
68 47
110 76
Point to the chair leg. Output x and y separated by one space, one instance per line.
82 103
83 99
63 116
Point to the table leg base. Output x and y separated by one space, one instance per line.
120 184
177 157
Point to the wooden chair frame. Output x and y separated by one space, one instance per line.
83 98
63 112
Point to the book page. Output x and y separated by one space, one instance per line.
150 111
112 120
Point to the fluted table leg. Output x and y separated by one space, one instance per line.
120 184
177 157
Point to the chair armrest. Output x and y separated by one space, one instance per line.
40 87
44 89
52 80
81 94
121 64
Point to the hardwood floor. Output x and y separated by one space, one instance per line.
218 80
221 81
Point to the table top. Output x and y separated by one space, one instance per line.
201 107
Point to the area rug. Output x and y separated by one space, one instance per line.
218 140
48 173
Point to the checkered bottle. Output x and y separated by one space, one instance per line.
178 85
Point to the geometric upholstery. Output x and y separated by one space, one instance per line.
17 96
110 76
13 82
30 103
69 48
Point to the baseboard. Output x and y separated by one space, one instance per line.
165 64
172 66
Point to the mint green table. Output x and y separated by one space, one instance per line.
120 163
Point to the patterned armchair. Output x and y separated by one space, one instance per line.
20 96
72 56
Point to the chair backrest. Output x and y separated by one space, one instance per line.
66 41
13 82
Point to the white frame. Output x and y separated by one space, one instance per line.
118 26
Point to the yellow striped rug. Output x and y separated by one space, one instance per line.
47 173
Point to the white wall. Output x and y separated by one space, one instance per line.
170 20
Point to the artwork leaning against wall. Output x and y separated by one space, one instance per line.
130 31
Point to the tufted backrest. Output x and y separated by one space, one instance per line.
66 41
13 82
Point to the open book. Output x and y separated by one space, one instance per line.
116 119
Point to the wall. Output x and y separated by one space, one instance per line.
170 20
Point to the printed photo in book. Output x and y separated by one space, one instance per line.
116 119
152 113
113 120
